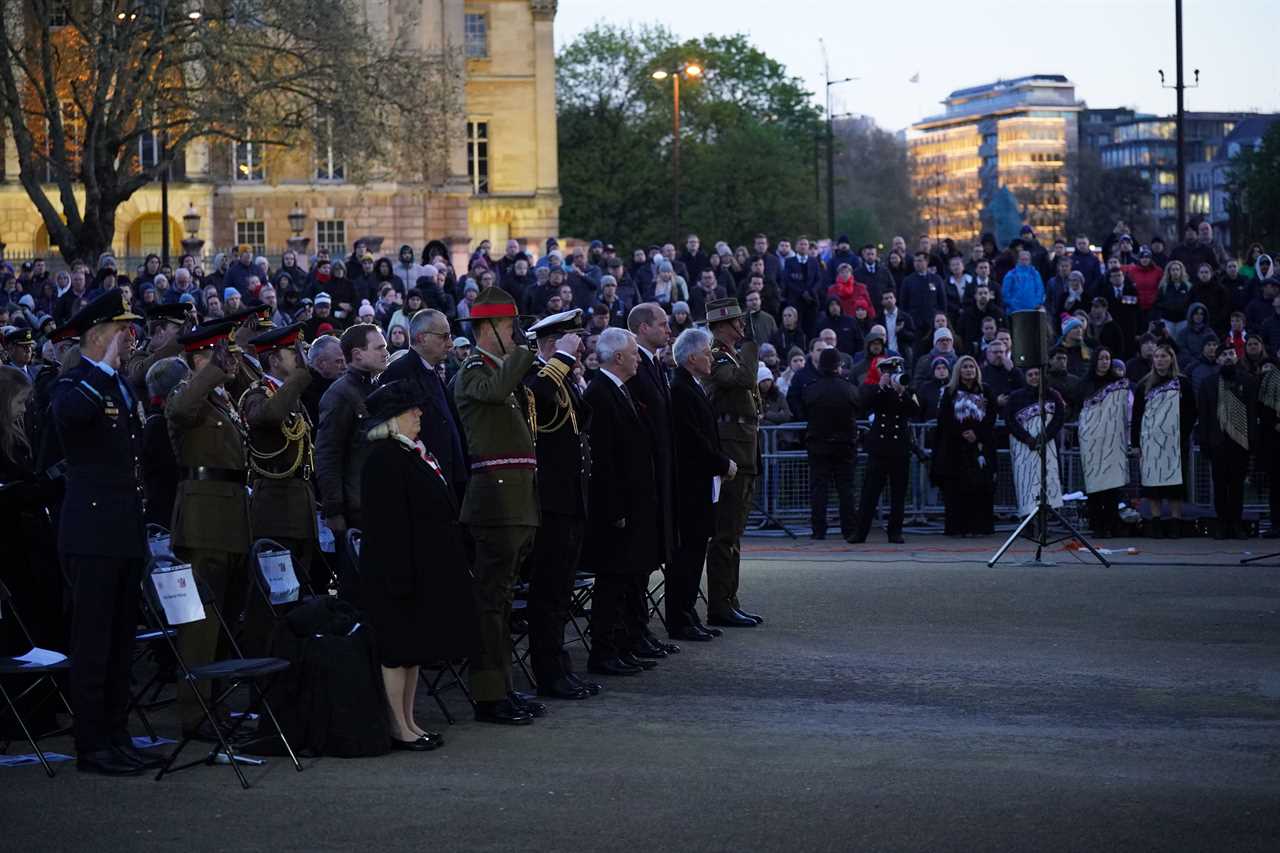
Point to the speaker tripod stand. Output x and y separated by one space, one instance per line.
1044 513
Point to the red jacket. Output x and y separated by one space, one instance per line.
1147 281
1236 341
851 294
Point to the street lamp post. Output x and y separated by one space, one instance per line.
831 159
191 222
1180 86
297 221
693 71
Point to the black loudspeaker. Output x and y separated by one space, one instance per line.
1032 338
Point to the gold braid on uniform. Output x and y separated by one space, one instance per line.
531 411
294 429
556 372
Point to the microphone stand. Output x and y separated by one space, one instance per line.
1043 512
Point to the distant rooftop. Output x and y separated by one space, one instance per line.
1054 92
1039 79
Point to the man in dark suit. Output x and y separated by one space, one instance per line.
623 525
100 532
652 395
431 341
701 462
564 466
922 294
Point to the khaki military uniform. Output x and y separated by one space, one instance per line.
501 503
140 361
281 465
735 398
211 515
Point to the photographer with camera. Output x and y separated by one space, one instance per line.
831 405
891 405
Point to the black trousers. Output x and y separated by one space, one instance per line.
683 578
968 510
1104 511
1229 463
881 471
104 622
613 609
556 548
637 614
828 464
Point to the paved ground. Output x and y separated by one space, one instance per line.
905 699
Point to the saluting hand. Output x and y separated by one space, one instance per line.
570 344
116 348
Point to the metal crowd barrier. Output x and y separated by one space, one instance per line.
782 492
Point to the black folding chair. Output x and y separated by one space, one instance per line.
520 649
43 672
444 675
579 598
256 674
656 595
259 579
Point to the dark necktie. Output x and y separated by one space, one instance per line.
626 395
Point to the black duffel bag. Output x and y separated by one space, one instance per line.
331 700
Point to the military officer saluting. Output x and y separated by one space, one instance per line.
100 532
248 324
501 504
564 465
164 324
281 463
211 516
735 398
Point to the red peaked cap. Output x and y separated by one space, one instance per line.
493 302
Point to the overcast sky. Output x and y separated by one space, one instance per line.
1109 48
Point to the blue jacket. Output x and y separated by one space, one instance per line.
1022 289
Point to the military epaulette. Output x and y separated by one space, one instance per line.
474 360
555 369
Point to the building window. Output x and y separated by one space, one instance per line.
58 13
1168 202
1198 202
253 232
328 168
148 150
331 235
246 163
478 156
477 35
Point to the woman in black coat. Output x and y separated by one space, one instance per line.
414 583
964 455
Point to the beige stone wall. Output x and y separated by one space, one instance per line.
513 89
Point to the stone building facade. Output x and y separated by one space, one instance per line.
501 179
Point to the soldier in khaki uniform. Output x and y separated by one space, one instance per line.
501 504
211 516
248 323
164 324
735 398
281 463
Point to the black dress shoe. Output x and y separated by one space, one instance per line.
649 641
561 688
138 757
753 617
631 659
593 688
669 648
646 651
420 744
856 540
107 762
732 619
697 623
689 634
433 737
502 713
613 666
897 539
524 702
818 536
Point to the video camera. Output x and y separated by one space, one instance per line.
894 366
